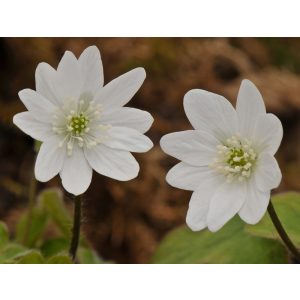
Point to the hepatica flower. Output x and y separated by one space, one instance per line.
228 160
82 124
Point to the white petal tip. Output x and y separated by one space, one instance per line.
252 222
169 179
213 228
74 190
151 120
91 50
23 92
247 82
187 96
164 142
194 227
141 72
149 145
251 219
68 52
40 178
192 97
16 119
76 194
128 178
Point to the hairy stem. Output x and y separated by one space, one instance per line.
76 227
285 238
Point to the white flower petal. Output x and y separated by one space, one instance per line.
91 69
40 107
267 173
188 177
46 82
128 139
117 164
255 205
119 91
268 133
197 213
76 173
128 117
197 148
69 79
210 112
36 129
50 159
225 203
249 106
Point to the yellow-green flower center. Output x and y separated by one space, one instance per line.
235 159
78 124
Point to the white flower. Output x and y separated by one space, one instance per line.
83 125
228 160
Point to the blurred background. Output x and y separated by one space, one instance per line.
124 221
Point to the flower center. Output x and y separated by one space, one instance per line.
78 124
235 159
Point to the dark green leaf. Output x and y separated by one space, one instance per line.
33 257
54 246
59 259
29 234
88 256
3 234
231 244
11 251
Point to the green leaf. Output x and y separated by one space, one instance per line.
59 259
11 251
37 146
52 201
88 256
38 223
287 207
33 257
54 246
3 234
231 244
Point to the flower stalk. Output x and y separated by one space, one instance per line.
76 227
31 204
282 233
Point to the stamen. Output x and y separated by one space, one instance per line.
77 122
235 159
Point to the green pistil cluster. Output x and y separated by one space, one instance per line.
237 157
78 124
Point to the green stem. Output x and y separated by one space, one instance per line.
76 228
31 204
284 236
